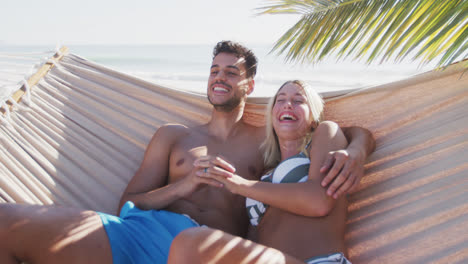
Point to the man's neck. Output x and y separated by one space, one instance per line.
224 125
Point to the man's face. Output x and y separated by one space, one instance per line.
228 84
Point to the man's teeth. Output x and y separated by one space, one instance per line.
220 89
287 117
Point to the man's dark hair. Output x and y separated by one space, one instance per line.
240 52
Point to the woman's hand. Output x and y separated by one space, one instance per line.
193 180
217 169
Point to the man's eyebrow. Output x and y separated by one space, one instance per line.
229 66
234 67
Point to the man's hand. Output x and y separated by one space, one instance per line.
345 170
346 167
206 167
219 172
191 182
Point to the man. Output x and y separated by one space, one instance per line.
167 179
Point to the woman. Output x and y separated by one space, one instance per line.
293 222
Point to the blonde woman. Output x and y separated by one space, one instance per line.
293 220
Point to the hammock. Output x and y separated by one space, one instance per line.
81 137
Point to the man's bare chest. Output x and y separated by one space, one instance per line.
243 154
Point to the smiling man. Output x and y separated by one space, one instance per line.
227 71
166 195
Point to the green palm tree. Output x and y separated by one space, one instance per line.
375 30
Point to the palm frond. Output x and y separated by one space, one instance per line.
373 29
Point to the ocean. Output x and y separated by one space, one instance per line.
187 66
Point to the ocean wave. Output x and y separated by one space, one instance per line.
321 81
188 66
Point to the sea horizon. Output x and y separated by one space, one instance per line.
186 66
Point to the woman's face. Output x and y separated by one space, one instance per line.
291 114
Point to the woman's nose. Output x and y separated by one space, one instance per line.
287 104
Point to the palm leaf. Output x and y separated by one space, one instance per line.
374 30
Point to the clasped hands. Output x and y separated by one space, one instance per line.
216 171
344 170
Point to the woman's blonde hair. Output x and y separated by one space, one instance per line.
270 146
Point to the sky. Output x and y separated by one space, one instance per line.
65 22
56 23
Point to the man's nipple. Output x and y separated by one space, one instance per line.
180 162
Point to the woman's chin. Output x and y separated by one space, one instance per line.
289 132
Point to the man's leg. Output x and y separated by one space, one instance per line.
206 245
50 234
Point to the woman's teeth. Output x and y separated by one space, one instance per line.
287 117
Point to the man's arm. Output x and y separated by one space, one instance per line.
149 188
346 167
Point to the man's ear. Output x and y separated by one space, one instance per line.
251 86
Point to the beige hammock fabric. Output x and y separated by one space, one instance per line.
84 133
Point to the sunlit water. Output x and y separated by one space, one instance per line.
187 67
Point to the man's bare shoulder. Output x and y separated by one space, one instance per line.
261 131
258 132
173 128
170 132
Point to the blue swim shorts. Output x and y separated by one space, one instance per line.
139 236
335 258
